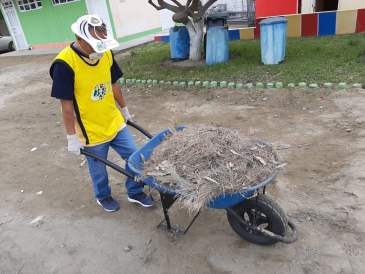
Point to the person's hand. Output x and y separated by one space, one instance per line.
126 114
74 144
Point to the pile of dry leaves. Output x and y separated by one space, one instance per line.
202 162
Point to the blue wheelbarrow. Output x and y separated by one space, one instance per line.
253 215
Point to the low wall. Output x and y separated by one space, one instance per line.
304 25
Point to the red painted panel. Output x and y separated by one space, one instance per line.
310 24
266 8
256 31
158 38
360 22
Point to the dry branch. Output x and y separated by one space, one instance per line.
202 162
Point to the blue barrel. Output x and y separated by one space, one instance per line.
179 42
273 40
217 46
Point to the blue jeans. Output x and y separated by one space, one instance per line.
124 145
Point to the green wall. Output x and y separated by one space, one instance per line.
51 24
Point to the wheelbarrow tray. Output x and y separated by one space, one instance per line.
222 201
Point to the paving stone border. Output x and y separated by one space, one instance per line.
231 85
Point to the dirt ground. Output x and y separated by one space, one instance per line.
318 133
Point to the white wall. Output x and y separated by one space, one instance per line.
351 4
307 6
133 16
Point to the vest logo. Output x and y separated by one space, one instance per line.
100 91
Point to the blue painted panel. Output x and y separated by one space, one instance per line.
273 41
327 23
217 46
179 43
234 34
165 38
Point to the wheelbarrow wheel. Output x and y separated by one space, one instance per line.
269 215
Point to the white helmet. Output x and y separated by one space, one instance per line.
81 29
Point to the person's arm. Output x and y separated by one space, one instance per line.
74 144
118 95
63 89
68 116
116 73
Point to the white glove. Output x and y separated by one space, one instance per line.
126 114
74 144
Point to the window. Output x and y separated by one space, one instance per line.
7 4
59 2
26 5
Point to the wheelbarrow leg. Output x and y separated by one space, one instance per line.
167 201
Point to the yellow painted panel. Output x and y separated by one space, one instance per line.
294 25
247 34
346 21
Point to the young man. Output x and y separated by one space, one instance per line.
85 78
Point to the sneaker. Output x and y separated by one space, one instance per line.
142 199
109 204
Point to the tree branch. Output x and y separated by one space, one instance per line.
153 4
195 5
177 3
164 5
205 7
173 8
181 17
188 4
192 6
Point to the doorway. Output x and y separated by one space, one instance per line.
12 19
3 27
166 17
100 8
325 5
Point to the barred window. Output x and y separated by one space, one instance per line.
7 4
26 5
59 2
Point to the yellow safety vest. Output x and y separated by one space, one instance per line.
97 118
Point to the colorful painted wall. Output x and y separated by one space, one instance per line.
342 5
265 8
303 25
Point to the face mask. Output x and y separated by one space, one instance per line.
96 55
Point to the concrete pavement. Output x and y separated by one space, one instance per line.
124 46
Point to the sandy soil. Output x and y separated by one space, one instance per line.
319 133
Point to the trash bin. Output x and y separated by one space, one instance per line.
273 40
217 19
179 43
217 46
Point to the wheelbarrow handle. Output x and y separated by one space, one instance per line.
145 132
110 164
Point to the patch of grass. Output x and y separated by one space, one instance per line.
331 59
362 58
354 42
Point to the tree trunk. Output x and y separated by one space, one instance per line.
196 36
